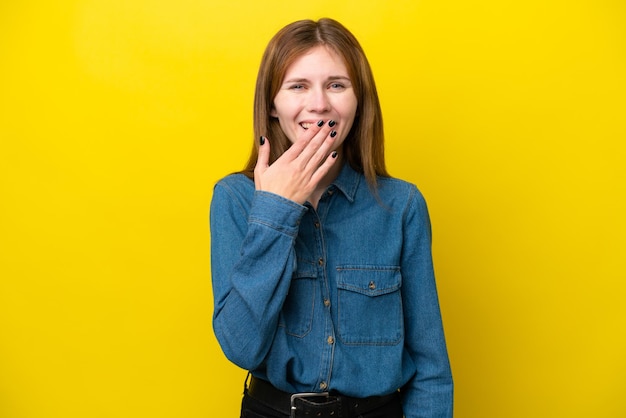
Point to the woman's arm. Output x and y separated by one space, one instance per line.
429 393
252 261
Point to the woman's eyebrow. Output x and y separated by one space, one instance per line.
339 77
331 78
296 80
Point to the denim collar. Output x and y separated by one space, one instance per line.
348 182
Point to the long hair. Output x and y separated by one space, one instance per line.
364 144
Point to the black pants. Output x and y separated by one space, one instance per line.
251 408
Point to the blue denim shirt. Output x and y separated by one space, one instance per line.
339 298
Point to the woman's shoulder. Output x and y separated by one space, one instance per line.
235 185
235 180
395 187
403 196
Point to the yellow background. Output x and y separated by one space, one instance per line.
117 117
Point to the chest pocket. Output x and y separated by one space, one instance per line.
297 313
369 305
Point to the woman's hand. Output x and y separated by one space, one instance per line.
296 174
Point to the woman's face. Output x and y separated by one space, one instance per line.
316 87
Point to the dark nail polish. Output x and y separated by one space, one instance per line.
262 140
334 154
331 123
333 133
320 123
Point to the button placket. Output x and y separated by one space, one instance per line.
329 339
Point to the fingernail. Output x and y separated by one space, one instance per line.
334 154
262 140
320 123
331 123
333 133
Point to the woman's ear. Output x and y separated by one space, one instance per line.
273 112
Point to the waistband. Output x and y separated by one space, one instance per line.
322 404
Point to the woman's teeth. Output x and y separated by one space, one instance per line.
306 125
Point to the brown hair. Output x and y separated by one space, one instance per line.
364 145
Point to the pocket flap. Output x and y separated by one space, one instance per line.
369 280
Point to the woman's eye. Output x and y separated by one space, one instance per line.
336 86
297 87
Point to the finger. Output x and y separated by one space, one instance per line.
304 140
263 158
319 145
324 168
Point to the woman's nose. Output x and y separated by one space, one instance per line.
318 101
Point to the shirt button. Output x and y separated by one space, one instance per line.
320 261
326 302
372 285
317 225
323 385
330 339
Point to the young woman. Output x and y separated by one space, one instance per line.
321 262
